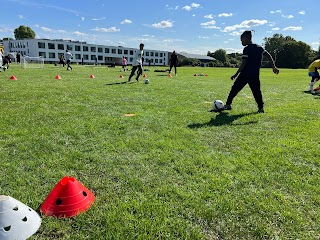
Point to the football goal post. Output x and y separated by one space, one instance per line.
32 62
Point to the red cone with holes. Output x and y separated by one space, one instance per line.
92 76
68 198
13 78
57 77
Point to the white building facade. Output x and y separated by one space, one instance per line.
85 53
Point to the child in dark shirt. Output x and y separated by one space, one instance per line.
249 71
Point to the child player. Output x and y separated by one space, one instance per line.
137 63
313 72
249 71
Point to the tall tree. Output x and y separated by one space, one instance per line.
221 55
24 32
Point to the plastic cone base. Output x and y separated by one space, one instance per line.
121 76
67 199
13 77
169 75
17 221
145 75
92 76
57 77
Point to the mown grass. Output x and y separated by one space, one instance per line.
173 171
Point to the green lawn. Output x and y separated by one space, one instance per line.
173 171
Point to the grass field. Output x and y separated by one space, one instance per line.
172 171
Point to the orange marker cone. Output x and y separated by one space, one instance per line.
169 75
68 198
145 75
121 76
206 75
13 78
92 76
58 77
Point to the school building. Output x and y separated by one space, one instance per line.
85 53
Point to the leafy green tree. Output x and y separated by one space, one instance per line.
221 55
24 32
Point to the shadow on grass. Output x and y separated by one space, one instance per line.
223 118
118 83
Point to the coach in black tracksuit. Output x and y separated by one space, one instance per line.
249 71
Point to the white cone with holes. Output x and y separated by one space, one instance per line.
17 221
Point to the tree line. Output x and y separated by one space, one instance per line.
285 50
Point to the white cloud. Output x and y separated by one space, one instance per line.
235 33
126 21
210 25
315 43
79 33
176 8
46 29
143 39
167 41
225 15
210 16
302 12
245 24
36 25
20 16
277 11
191 7
203 37
61 31
275 29
293 28
82 18
98 19
112 29
287 16
163 24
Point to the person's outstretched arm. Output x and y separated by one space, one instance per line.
244 62
274 68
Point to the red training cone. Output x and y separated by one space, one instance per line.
145 75
169 75
92 76
13 78
57 77
67 199
121 76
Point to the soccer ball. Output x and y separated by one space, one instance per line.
217 105
146 81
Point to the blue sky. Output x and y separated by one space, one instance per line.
185 26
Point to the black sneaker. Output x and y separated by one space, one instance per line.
227 107
261 110
137 79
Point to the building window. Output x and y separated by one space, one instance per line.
106 50
59 55
100 58
160 60
93 49
156 60
113 51
52 55
42 54
131 52
131 59
60 46
85 57
93 57
100 49
77 56
51 46
125 52
85 49
151 54
41 45
161 54
77 48
119 51
69 47
156 54
147 54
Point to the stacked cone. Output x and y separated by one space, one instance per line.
92 76
13 78
17 221
57 77
67 199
